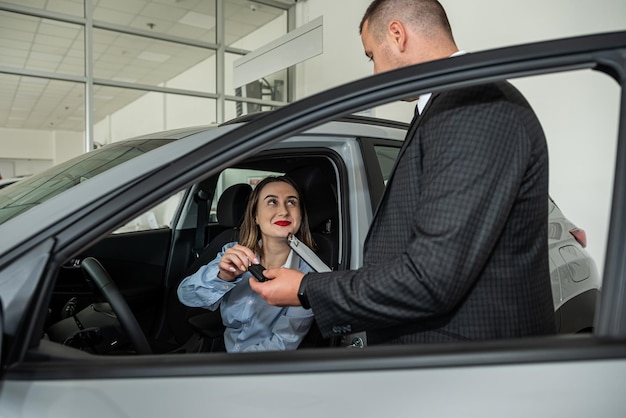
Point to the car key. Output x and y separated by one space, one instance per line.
257 271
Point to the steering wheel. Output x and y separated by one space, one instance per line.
113 295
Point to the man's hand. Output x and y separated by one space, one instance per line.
281 289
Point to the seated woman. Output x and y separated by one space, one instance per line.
274 210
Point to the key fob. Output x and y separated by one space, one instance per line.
257 271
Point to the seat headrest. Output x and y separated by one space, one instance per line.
232 205
318 188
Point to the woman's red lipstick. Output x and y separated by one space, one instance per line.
282 223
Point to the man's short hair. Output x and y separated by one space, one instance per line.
427 16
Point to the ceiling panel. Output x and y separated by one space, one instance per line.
33 43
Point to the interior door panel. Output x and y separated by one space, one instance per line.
136 262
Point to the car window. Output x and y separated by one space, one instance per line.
232 176
386 158
160 216
38 188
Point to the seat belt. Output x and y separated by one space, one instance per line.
307 254
202 198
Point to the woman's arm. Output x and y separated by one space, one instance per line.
204 288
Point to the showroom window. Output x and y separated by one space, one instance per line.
85 73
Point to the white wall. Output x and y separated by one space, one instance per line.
26 143
578 111
67 145
29 151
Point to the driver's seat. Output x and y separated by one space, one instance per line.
231 207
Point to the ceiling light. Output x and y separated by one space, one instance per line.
198 20
153 56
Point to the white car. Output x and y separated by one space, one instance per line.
8 181
127 221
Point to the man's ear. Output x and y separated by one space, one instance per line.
397 32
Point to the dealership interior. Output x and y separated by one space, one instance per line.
76 75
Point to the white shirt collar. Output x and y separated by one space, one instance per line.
422 101
292 262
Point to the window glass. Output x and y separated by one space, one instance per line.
160 216
137 59
33 43
38 188
57 109
185 19
386 158
587 135
232 176
117 110
41 104
69 7
250 25
272 87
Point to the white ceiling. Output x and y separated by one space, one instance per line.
36 44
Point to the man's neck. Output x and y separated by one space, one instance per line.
422 101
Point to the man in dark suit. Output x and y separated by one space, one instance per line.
457 250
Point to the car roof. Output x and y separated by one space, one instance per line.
332 127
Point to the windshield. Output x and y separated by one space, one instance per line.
40 187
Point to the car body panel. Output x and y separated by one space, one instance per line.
450 392
495 380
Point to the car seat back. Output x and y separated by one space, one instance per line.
231 208
318 187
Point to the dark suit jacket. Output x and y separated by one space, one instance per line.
458 247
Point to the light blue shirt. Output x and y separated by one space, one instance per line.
251 323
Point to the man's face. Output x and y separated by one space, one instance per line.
382 53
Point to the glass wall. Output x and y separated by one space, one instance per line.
91 72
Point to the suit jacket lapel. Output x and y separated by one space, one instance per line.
417 119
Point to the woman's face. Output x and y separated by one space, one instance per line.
278 210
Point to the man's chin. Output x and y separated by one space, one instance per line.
411 99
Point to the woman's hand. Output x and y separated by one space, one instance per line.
235 262
281 289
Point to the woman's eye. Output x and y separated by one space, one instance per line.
271 202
